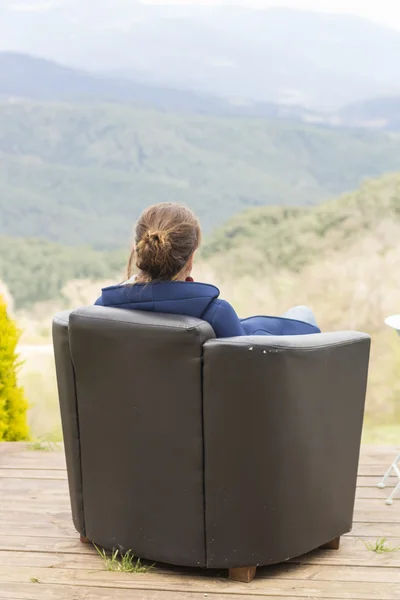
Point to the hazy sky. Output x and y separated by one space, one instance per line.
386 12
382 11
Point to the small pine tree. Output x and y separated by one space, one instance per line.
13 405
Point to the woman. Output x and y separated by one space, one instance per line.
167 237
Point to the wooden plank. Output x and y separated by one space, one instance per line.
381 461
18 487
57 530
328 573
33 511
66 530
71 554
21 486
352 556
372 465
371 518
371 531
34 467
374 451
365 480
350 547
38 519
51 544
60 525
375 530
56 592
376 511
377 471
33 460
35 499
48 499
373 492
371 482
372 454
51 462
368 507
51 492
371 450
32 474
32 591
17 494
78 561
267 583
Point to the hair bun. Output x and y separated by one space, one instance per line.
167 234
158 237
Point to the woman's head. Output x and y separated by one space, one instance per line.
167 235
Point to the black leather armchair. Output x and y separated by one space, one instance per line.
204 452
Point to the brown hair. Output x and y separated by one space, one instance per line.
166 236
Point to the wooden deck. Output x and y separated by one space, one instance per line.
42 558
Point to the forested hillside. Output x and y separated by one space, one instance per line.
82 175
292 238
258 242
36 270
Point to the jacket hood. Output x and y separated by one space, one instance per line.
176 297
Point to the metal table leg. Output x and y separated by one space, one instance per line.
393 470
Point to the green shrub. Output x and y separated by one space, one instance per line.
13 405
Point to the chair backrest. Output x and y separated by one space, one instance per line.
208 452
132 417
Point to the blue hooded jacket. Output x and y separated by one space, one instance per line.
198 300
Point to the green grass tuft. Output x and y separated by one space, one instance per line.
380 546
123 563
44 444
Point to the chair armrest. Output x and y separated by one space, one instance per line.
69 415
282 430
296 342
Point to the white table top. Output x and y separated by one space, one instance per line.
393 321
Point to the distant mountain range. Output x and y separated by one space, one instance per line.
23 76
378 113
315 60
